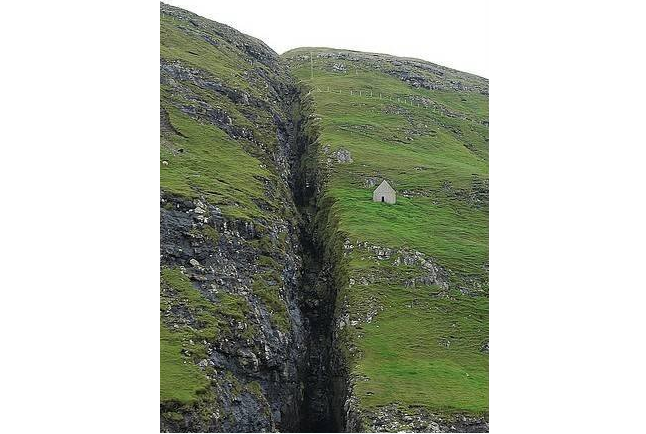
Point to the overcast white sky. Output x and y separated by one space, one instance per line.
452 33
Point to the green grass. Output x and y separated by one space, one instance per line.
211 233
406 358
223 60
180 379
232 174
452 231
239 176
212 166
403 351
182 347
212 316
421 150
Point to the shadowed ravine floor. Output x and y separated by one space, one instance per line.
317 291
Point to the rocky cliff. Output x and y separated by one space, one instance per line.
289 301
233 334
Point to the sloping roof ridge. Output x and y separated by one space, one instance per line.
385 182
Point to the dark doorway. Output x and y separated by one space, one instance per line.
382 198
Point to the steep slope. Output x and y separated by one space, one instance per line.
410 335
232 333
289 300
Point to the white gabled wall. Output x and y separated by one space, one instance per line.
386 192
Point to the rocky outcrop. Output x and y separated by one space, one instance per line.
253 288
431 273
220 256
260 325
343 156
243 328
393 419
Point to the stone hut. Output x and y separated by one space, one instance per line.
384 193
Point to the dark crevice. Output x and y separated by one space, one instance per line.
317 292
316 413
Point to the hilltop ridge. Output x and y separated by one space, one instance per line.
289 299
368 54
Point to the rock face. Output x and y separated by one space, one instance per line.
393 419
343 156
254 314
248 277
254 348
239 321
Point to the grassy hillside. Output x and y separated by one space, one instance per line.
424 128
247 276
221 134
229 323
198 161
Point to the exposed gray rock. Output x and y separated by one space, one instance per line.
254 366
268 378
343 156
371 181
339 67
484 348
392 418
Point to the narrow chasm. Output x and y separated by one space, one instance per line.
320 276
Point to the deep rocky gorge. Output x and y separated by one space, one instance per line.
268 367
255 315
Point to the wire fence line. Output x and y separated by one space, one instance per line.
402 99
371 94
